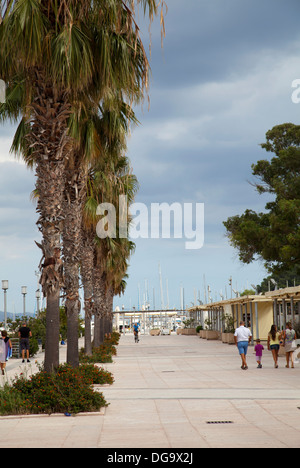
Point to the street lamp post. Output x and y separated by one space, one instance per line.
230 284
38 297
5 288
24 292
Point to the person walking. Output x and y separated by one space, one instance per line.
2 355
258 351
136 332
25 334
8 347
274 337
289 336
242 338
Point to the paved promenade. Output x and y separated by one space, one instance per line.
177 392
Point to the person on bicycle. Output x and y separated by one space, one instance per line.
136 332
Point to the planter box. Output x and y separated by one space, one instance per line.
179 331
188 331
225 337
154 332
212 335
230 338
202 334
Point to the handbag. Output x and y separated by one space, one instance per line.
294 344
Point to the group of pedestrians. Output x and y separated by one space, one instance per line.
285 338
276 339
6 346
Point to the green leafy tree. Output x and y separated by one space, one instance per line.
282 280
274 235
248 292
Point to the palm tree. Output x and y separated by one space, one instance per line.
60 52
116 277
130 77
103 135
109 282
109 180
34 50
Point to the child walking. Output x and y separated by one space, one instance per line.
258 350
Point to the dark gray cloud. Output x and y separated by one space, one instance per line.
208 39
223 79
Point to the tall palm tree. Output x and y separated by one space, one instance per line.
103 136
109 282
34 48
107 182
61 51
131 79
114 253
111 130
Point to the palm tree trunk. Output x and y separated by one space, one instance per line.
50 144
87 258
75 189
72 305
87 336
52 332
97 331
99 305
109 309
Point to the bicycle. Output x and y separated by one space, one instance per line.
136 337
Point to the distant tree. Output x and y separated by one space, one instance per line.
248 292
284 279
273 236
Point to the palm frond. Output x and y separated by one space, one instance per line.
72 63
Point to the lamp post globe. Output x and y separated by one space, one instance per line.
5 288
24 292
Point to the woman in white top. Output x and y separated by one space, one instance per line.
289 336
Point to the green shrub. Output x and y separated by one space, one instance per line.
67 391
108 348
33 347
96 375
114 338
102 354
10 401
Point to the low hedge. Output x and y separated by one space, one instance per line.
67 391
103 353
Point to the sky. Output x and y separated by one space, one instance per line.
222 79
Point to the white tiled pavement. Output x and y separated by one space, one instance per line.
166 391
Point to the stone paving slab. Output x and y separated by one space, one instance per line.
177 392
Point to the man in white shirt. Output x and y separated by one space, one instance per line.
242 338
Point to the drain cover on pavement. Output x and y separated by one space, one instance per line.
219 422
